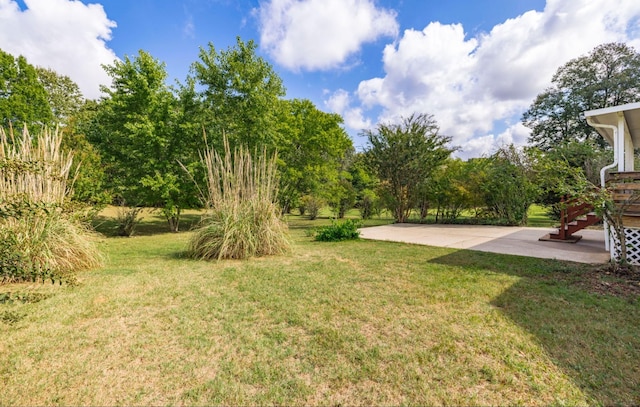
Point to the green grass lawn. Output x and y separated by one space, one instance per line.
152 221
352 323
537 217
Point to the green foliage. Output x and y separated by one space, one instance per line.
365 183
168 189
90 179
339 231
240 91
451 190
141 133
341 195
243 219
608 76
369 204
23 98
508 188
554 168
404 156
63 95
127 220
494 190
311 147
38 96
311 205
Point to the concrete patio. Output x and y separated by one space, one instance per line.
522 241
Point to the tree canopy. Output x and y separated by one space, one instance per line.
63 95
404 155
23 97
609 75
240 91
134 140
311 145
137 130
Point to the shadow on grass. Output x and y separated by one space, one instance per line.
151 224
297 222
594 339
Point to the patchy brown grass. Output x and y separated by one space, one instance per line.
355 323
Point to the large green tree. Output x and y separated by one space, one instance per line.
509 188
89 185
63 95
240 91
311 145
404 155
23 98
240 96
452 189
608 76
39 96
365 184
140 133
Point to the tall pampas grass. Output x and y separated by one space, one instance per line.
34 172
242 218
39 239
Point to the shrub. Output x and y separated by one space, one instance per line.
339 231
342 197
312 206
242 218
302 207
46 246
127 220
508 188
368 204
40 237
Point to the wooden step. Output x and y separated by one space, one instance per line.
578 221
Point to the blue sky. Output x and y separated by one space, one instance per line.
475 65
173 31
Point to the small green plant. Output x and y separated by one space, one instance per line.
22 297
339 231
11 317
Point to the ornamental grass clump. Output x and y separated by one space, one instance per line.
40 237
242 217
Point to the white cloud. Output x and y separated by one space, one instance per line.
486 145
189 28
340 102
478 147
471 85
321 34
516 134
64 35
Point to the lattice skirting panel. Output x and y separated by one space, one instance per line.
632 235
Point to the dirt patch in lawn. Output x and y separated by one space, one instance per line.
612 280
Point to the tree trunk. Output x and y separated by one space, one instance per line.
424 209
174 220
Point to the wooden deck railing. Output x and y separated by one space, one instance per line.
625 187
